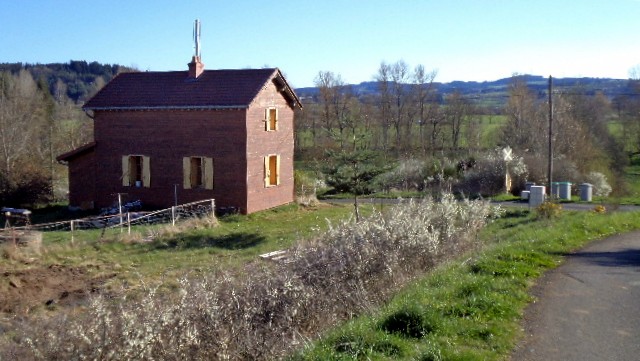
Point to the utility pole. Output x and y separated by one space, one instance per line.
550 170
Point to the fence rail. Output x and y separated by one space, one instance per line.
121 221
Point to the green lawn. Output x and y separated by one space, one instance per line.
236 240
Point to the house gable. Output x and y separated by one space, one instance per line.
165 137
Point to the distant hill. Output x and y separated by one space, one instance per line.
77 79
495 93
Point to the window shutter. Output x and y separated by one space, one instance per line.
277 170
276 121
266 171
125 171
146 172
186 172
208 173
266 119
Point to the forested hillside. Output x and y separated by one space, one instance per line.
77 79
41 118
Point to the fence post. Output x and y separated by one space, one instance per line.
120 210
129 223
213 210
72 229
173 216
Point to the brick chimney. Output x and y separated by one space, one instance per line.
196 67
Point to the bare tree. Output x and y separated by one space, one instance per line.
385 93
424 97
526 119
456 112
334 98
399 79
20 121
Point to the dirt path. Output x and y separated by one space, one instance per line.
589 308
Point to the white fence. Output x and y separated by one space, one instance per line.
124 222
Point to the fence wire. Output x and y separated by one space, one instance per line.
108 225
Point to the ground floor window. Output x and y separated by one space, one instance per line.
136 171
271 170
197 172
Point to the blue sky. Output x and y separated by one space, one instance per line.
463 40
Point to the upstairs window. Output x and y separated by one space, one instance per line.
271 170
136 171
197 172
271 119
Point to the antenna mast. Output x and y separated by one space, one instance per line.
196 37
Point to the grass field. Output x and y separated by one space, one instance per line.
236 240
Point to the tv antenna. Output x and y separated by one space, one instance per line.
196 37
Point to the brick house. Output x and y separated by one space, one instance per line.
187 136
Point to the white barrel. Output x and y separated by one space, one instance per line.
536 195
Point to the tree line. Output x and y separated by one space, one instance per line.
408 119
76 80
35 127
407 122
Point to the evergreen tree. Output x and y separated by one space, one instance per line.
353 169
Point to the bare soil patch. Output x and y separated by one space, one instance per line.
21 291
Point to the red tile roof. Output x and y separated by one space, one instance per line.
213 89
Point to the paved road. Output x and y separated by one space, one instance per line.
567 206
576 206
588 308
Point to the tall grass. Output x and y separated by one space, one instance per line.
268 309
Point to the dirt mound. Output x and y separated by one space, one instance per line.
24 290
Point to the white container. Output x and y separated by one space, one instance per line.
536 196
586 190
564 190
524 195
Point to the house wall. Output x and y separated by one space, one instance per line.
82 181
166 137
261 143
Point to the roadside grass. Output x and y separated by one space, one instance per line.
505 197
233 242
470 309
632 182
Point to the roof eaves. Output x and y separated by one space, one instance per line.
167 107
76 152
287 89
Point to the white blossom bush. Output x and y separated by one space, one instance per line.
487 177
270 309
601 187
407 175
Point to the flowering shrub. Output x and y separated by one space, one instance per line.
408 174
548 210
600 185
599 209
270 308
487 177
